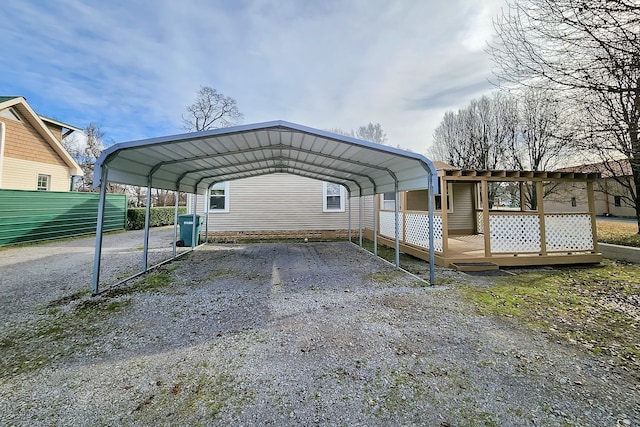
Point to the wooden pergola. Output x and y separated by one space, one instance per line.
471 232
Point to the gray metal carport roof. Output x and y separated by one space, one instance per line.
192 162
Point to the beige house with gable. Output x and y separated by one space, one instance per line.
31 154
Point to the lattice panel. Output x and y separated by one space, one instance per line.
387 225
515 233
417 231
480 221
568 233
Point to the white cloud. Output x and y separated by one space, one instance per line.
133 67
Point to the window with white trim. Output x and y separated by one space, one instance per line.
389 201
218 200
44 182
332 197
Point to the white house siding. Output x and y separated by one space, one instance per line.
18 174
462 217
280 202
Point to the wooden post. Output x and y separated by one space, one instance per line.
403 208
540 203
485 218
592 212
444 205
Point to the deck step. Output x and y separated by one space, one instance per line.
475 266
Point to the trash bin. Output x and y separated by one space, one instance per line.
186 228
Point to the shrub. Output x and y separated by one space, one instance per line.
158 217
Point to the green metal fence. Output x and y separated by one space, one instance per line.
29 216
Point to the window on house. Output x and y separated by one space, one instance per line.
574 202
333 197
438 198
219 197
389 201
43 182
617 201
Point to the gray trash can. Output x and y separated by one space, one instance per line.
186 228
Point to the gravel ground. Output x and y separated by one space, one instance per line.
278 334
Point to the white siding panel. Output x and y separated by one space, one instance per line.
462 217
280 202
18 174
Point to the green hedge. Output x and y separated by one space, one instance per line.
159 217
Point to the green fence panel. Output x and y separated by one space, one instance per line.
29 216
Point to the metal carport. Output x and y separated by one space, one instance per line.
193 162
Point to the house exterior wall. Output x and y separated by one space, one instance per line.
55 130
26 154
282 202
18 174
606 190
559 200
461 218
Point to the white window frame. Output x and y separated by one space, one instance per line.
324 199
48 182
388 204
226 199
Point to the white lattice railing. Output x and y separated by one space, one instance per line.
388 225
414 228
480 222
520 233
515 233
568 232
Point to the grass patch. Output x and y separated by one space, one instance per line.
68 324
58 332
595 307
618 233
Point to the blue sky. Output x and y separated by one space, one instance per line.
134 66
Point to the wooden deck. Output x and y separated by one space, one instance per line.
470 249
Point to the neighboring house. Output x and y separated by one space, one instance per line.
280 205
31 154
611 198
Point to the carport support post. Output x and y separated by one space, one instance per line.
375 224
194 226
147 221
99 226
432 255
397 224
205 212
360 216
349 224
175 223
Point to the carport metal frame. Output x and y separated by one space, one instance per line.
194 162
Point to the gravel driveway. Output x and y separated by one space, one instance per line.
277 334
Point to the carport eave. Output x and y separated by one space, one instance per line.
111 153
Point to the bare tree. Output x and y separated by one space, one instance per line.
86 153
589 50
211 110
372 132
522 130
478 136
